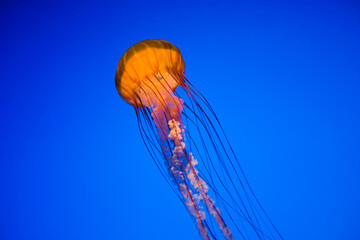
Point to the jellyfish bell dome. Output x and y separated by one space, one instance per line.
146 68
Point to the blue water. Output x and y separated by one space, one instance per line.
283 77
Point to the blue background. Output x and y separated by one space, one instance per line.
283 77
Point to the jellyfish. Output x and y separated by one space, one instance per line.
188 144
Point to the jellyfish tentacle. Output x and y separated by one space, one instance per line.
175 167
188 87
200 187
173 109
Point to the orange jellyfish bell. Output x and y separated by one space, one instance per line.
145 64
